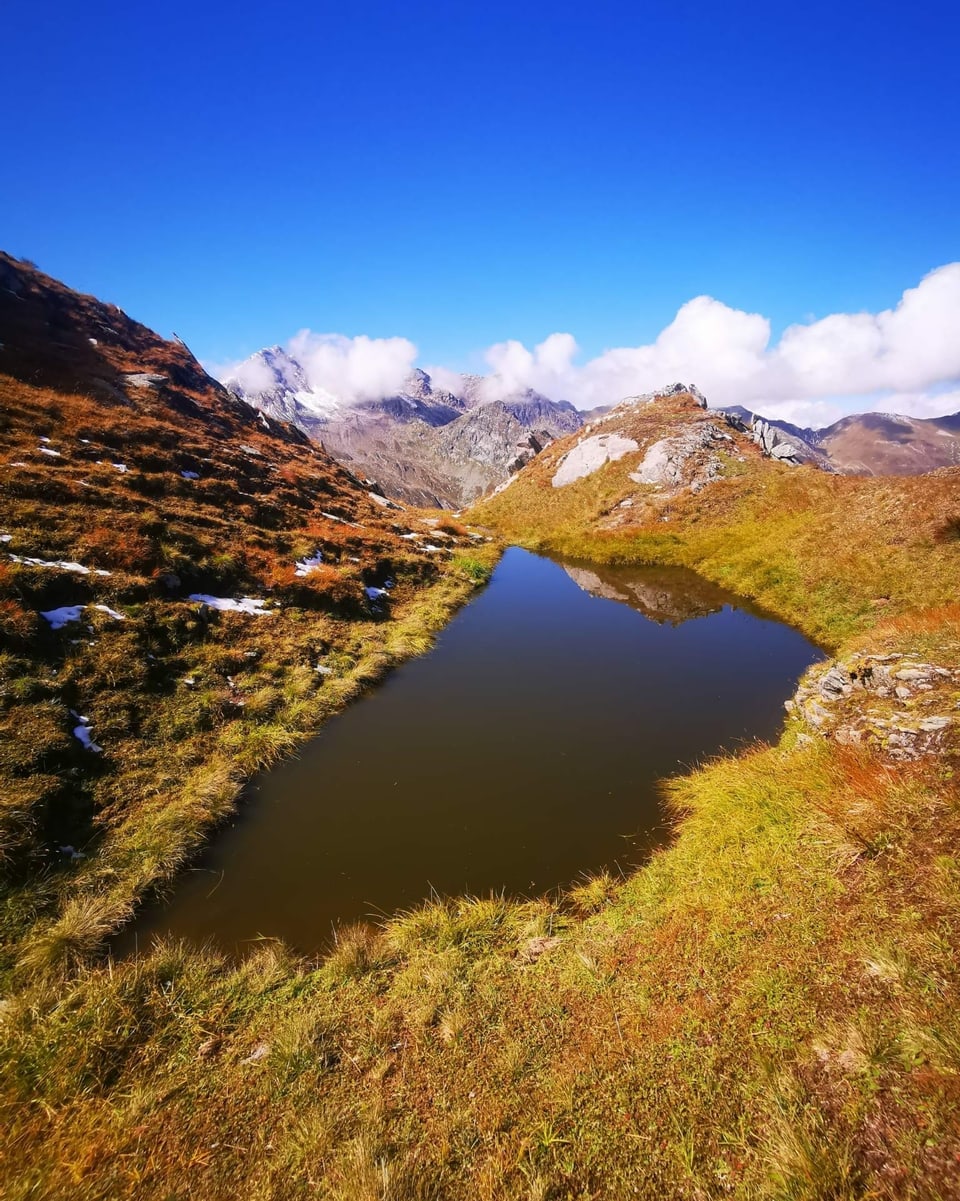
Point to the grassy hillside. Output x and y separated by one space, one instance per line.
829 553
768 1009
131 711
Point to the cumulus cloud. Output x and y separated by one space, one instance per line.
353 369
253 375
903 358
329 365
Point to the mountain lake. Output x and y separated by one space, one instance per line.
524 751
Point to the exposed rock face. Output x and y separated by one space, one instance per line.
779 443
590 454
894 702
687 460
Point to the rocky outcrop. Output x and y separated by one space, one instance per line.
897 703
589 455
774 443
688 460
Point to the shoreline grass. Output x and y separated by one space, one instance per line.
770 1008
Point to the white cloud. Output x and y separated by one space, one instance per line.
353 369
905 359
902 359
253 375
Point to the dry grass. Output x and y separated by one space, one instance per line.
185 702
768 1009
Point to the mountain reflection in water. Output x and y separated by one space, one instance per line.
663 594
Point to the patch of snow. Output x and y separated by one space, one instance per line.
412 534
305 566
121 467
54 454
17 463
85 441
323 670
376 593
44 440
342 520
430 547
190 475
5 537
58 618
110 612
225 604
589 456
60 564
93 341
82 733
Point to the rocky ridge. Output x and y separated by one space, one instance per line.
670 443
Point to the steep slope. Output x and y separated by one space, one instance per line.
403 441
187 587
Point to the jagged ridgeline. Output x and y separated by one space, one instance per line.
430 445
187 587
425 444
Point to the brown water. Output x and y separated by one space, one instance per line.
525 749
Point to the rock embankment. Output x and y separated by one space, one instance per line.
895 702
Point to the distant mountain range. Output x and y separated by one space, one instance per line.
431 446
872 443
424 444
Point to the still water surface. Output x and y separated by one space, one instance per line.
523 750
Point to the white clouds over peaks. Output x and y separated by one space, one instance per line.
907 357
358 368
904 359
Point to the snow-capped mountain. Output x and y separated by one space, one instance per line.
424 444
275 383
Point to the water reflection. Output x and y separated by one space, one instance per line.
662 594
525 749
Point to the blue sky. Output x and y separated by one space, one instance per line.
461 174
